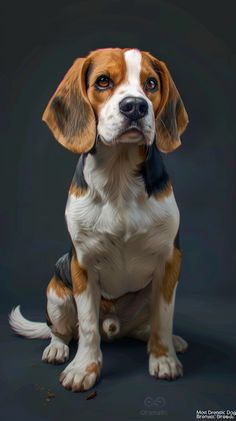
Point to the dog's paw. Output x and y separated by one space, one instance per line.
180 344
165 367
78 379
56 353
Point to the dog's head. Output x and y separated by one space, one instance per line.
118 95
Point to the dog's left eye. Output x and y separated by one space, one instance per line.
103 82
151 84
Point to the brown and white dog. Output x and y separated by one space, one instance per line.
118 108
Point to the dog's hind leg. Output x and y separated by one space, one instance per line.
61 315
142 333
134 314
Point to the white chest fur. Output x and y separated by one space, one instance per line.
119 232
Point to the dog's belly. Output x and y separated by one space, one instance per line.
121 247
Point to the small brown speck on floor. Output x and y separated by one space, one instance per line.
91 395
50 396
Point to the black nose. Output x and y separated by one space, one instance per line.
133 107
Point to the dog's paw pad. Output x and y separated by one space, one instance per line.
56 353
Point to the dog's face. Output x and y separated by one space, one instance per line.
118 95
124 91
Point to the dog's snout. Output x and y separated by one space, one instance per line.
133 108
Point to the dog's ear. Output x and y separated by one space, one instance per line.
171 118
69 114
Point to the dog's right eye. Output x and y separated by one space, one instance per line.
103 82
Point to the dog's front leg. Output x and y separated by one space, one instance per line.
163 362
83 371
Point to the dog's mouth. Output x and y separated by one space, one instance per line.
131 134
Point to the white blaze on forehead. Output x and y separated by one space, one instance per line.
133 65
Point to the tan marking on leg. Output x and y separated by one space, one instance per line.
164 193
78 275
58 287
172 271
77 191
156 348
93 368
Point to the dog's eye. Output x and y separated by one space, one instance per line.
103 82
151 84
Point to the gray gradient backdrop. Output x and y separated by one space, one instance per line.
39 41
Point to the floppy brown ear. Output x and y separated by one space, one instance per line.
172 118
69 114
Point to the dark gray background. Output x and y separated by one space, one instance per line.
39 41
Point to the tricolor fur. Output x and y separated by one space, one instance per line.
119 109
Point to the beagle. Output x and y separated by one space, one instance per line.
119 109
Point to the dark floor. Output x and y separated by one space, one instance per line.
126 391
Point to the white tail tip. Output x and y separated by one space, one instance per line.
27 328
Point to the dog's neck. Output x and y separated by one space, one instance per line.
121 173
112 171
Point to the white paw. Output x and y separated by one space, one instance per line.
77 378
56 353
168 368
180 344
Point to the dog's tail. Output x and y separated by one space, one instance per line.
26 328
